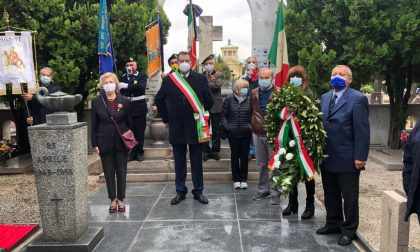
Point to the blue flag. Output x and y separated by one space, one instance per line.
105 50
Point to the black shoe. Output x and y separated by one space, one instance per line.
260 196
206 156
215 156
344 240
201 198
290 209
140 158
131 158
328 230
308 213
178 198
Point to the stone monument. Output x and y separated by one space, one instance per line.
59 154
207 33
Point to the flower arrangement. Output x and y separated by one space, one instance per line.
404 137
295 129
6 148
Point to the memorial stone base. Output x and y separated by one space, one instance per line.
59 154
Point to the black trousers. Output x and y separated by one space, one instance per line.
215 120
310 193
139 127
339 187
180 151
239 149
115 163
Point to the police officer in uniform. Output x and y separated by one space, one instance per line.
133 85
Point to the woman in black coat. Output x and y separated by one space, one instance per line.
411 170
107 141
236 119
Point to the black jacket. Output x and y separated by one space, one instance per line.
136 87
411 171
175 109
236 116
104 134
39 112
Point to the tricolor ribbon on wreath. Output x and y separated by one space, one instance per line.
200 115
290 123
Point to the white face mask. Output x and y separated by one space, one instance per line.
110 87
209 68
184 67
251 66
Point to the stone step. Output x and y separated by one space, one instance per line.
170 164
163 152
170 176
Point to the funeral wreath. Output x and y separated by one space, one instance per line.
295 130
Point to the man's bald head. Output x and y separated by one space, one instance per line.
265 74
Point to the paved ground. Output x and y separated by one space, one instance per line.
231 222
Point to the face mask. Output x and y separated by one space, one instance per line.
174 67
264 84
251 66
184 67
296 81
338 82
45 80
129 70
109 87
243 91
209 68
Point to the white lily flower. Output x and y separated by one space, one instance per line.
277 164
289 156
287 181
292 143
282 151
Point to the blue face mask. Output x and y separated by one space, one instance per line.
45 80
296 81
264 84
338 82
243 91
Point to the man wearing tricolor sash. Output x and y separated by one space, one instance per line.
183 102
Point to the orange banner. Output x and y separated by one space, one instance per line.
153 49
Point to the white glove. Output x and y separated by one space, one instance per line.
123 85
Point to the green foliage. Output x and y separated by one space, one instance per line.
312 131
66 38
222 67
367 89
371 37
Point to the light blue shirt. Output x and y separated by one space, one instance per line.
339 94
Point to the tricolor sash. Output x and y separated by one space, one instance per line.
304 160
200 115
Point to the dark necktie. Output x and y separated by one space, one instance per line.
332 102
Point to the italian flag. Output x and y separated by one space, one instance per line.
192 36
278 51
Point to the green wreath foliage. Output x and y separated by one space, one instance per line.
312 130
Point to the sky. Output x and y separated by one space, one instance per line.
233 15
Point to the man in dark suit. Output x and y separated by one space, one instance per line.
38 113
133 85
175 109
215 82
346 113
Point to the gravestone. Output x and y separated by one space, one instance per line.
207 33
394 229
59 154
